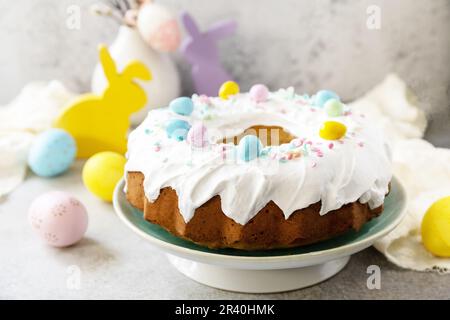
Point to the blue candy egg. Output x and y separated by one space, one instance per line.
249 148
177 129
182 105
52 153
323 96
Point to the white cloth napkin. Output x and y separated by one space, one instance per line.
423 169
30 113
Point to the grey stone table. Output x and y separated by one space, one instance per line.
112 262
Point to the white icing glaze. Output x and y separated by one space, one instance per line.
357 167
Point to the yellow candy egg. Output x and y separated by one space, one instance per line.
101 173
436 228
332 130
228 89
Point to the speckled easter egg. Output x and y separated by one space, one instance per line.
52 153
323 96
58 218
334 108
177 129
102 172
182 105
249 148
197 136
227 89
259 93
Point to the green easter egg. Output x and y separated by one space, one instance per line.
334 108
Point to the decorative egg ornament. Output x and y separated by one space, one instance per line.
435 228
52 153
177 129
102 172
334 108
323 96
197 136
259 93
182 106
229 88
158 27
249 148
332 130
58 218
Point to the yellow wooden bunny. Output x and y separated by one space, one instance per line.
100 123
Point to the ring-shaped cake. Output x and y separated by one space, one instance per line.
258 170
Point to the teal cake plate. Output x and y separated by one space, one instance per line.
266 270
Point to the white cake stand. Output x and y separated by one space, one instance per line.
291 269
257 281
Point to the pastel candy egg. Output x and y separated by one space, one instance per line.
197 136
58 218
259 93
102 172
52 153
182 105
177 129
228 89
435 228
323 96
249 148
332 130
334 108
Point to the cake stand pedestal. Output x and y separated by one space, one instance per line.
265 271
257 281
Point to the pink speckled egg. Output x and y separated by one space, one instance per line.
259 93
197 136
58 218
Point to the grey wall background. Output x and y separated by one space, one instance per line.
307 44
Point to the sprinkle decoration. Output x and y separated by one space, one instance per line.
288 94
302 101
157 147
223 152
297 148
204 99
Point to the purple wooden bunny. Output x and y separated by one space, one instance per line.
200 50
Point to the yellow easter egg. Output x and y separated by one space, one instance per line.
332 130
228 89
101 173
436 228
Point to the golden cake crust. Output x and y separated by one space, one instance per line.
267 230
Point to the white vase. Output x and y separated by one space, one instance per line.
165 83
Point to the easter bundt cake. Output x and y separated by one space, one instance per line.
257 170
